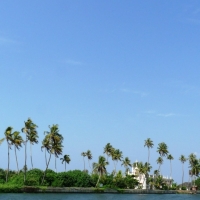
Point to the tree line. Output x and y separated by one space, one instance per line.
52 144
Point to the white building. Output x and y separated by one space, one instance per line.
141 178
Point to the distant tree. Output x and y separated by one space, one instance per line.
83 154
17 142
126 163
29 129
162 149
170 158
160 162
183 159
107 150
100 167
65 159
149 144
89 156
8 138
55 146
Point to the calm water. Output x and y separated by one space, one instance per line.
96 197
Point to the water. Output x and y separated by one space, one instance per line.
98 196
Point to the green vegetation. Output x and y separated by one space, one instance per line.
98 176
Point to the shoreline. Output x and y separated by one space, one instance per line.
31 189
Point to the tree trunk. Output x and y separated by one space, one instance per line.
170 168
31 154
45 151
46 170
84 162
183 174
148 155
98 180
55 164
16 160
65 166
8 163
25 160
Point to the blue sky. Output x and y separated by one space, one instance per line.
105 71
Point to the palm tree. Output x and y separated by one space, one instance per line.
183 159
8 137
55 139
149 144
162 149
29 129
100 167
65 159
160 162
116 156
46 145
126 163
33 140
83 154
170 158
89 156
194 165
17 142
107 150
192 160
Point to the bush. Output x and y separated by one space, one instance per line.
10 189
50 177
183 188
75 178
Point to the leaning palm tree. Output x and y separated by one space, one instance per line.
100 167
183 159
65 159
126 163
170 158
89 156
55 146
8 138
29 129
46 145
17 142
83 154
116 156
107 150
160 162
149 144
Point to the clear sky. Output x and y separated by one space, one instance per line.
105 71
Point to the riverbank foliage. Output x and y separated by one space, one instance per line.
75 178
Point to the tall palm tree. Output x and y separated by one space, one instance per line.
29 129
100 167
65 159
170 158
160 162
17 142
55 147
8 137
33 140
183 159
89 156
107 150
162 149
149 144
83 154
126 163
